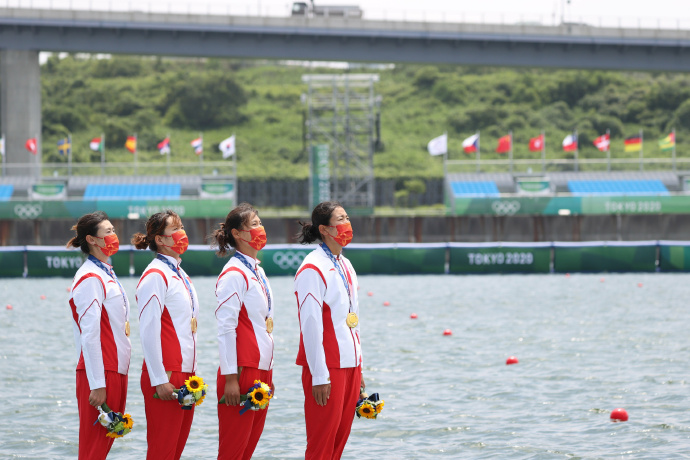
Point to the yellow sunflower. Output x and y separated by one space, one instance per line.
260 396
379 406
367 410
127 421
194 383
200 400
114 435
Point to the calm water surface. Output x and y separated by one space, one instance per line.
586 344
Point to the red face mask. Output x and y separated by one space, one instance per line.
112 244
344 235
180 242
258 238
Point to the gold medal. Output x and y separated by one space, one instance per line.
193 325
269 324
127 328
352 320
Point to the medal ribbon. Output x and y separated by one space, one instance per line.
340 271
262 281
184 278
109 271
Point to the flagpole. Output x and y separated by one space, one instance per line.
136 149
673 152
167 155
201 155
479 168
445 170
69 155
4 153
234 167
543 151
577 148
102 149
641 151
510 152
608 151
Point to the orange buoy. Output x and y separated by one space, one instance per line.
43 297
601 280
511 360
567 274
386 304
447 332
639 284
370 293
413 316
619 415
67 289
9 307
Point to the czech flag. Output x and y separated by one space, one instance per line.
602 142
131 144
164 146
570 143
32 145
96 144
471 144
633 143
198 145
505 144
668 142
536 144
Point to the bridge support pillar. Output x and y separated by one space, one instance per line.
20 111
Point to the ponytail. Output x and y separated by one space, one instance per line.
86 225
321 215
222 237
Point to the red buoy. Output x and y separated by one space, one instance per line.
9 307
447 332
43 297
68 289
511 360
619 415
567 274
639 284
386 304
370 293
601 280
413 316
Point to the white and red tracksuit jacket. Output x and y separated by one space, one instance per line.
326 341
165 317
241 316
99 311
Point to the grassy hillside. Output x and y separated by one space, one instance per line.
260 103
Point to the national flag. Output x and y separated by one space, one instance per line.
227 147
570 143
198 145
2 146
96 144
505 144
536 144
164 146
471 144
438 145
131 144
32 145
633 143
602 142
668 142
64 146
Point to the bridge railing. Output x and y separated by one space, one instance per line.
533 166
281 8
62 170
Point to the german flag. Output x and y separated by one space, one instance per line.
633 143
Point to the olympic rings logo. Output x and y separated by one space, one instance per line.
288 259
28 211
505 208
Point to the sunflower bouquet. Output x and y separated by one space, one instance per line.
257 397
369 406
191 394
117 424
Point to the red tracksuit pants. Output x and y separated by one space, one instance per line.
93 443
167 424
239 434
328 427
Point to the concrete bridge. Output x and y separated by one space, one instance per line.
25 32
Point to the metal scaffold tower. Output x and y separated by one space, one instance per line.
340 134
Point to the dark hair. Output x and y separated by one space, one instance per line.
154 226
321 215
238 217
86 225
